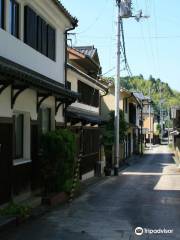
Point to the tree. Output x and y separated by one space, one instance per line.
109 133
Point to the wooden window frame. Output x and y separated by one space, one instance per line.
21 155
2 14
125 105
41 119
14 20
68 85
46 45
89 95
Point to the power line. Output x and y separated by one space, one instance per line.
124 50
100 14
154 37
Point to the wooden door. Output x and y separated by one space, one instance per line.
5 161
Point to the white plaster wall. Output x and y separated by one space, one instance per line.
27 102
17 51
5 103
88 175
73 76
59 116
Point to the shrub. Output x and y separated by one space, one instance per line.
109 135
16 210
58 160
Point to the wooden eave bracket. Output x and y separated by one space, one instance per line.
19 90
4 86
58 104
40 99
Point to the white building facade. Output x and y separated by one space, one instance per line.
32 87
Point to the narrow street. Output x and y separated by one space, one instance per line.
146 194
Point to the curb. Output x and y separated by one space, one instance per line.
7 222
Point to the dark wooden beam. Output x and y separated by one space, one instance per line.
58 104
3 87
41 98
19 89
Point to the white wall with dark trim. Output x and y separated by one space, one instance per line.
19 52
27 102
5 103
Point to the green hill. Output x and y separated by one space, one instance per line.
138 83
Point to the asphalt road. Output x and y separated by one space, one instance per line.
146 195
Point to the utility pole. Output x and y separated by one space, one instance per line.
168 126
141 138
150 145
117 92
124 11
161 117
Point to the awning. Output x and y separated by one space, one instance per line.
18 75
86 117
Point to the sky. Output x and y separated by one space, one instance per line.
152 45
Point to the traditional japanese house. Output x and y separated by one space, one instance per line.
32 86
83 116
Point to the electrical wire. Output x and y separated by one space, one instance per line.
100 14
124 50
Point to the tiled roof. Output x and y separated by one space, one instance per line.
87 50
141 96
73 20
84 115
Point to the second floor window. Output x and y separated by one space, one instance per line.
38 34
89 95
125 101
14 18
68 85
2 14
132 113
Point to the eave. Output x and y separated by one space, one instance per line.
83 60
15 74
92 80
60 6
86 117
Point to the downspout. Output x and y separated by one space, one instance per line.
66 46
105 93
74 25
141 138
